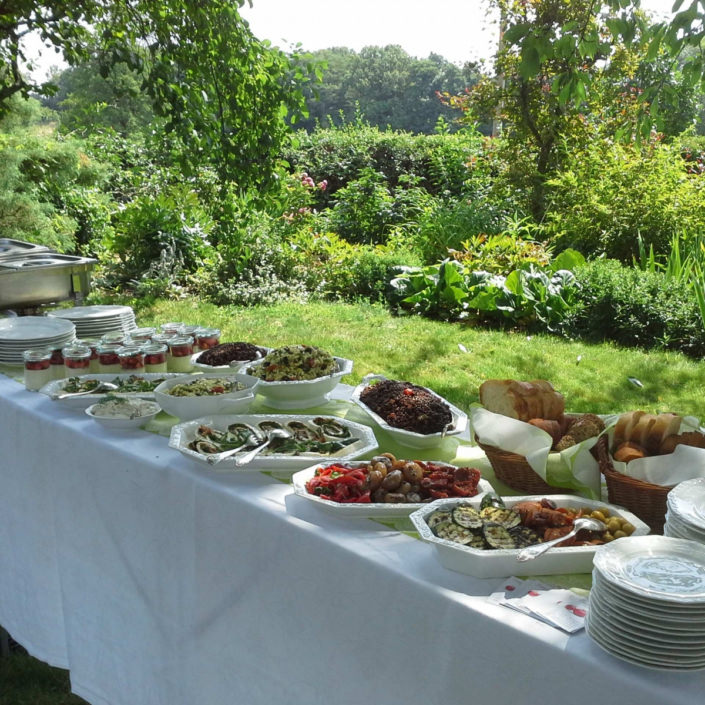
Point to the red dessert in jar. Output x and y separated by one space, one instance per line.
155 357
207 338
131 358
77 358
37 368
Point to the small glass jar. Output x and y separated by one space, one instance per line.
181 349
94 365
108 360
172 328
189 330
131 358
116 338
155 357
207 338
37 368
142 335
58 371
77 360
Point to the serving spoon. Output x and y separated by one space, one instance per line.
250 456
531 552
102 387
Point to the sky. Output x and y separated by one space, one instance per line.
458 30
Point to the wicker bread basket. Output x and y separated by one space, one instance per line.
514 471
645 500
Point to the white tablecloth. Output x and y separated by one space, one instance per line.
157 582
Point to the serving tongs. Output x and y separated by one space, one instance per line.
102 387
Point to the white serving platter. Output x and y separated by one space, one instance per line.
182 434
501 563
410 438
234 366
55 388
368 509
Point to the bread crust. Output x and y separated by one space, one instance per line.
522 400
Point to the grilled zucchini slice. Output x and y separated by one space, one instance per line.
498 536
467 516
501 515
452 532
524 536
437 517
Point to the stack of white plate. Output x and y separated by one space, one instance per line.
31 332
95 321
685 518
647 603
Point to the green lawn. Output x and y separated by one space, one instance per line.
593 377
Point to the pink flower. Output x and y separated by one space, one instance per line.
323 185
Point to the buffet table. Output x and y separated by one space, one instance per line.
157 582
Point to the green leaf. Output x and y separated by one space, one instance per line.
530 62
516 32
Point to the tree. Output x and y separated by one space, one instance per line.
223 94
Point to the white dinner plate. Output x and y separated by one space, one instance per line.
33 328
91 312
687 501
365 509
656 567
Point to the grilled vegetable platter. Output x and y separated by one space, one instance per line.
385 486
311 438
482 536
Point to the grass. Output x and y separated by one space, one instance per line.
26 681
593 377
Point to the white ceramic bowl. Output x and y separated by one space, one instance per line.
123 422
502 563
411 438
302 394
192 407
234 366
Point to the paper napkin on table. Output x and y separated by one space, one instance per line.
557 607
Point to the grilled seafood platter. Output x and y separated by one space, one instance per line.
293 441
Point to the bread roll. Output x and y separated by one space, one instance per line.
629 451
522 400
647 430
665 425
553 428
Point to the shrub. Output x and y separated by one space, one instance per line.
635 308
172 220
614 193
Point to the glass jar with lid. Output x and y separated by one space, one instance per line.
77 360
207 338
58 371
108 360
37 368
155 357
131 358
181 349
142 335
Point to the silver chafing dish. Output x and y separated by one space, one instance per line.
32 275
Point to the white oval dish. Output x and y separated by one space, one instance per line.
123 422
192 407
234 366
183 433
56 387
501 563
301 394
366 509
411 438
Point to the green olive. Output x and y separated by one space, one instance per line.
597 514
628 528
619 534
614 525
607 537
